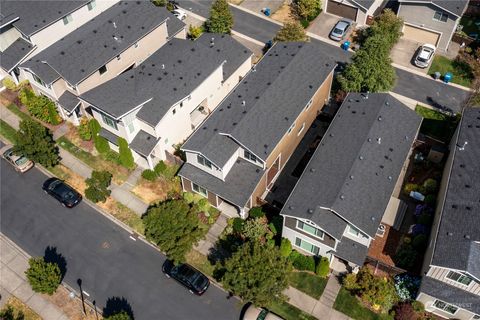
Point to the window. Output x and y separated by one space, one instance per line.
309 229
458 277
131 127
102 69
354 231
291 128
199 189
440 16
118 57
301 129
109 121
92 4
249 156
38 80
67 19
203 161
307 246
174 111
445 306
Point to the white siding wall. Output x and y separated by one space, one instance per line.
226 168
192 159
362 240
291 234
121 131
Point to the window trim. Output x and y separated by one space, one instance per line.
301 129
109 121
309 104
248 155
204 161
67 19
460 276
442 14
309 224
313 246
199 189
444 308
92 4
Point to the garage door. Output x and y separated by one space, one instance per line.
420 35
342 10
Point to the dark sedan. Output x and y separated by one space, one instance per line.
195 281
61 191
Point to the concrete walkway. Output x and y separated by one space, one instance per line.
207 245
13 263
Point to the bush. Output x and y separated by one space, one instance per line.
430 199
323 267
302 262
160 168
160 3
276 225
238 225
407 286
84 130
94 127
255 229
350 282
425 219
409 187
101 144
418 306
97 186
9 84
25 95
40 107
195 32
420 242
122 315
285 247
149 175
291 32
189 197
256 212
126 157
430 186
44 277
404 311
203 206
405 257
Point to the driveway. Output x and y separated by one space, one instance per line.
258 5
323 24
403 52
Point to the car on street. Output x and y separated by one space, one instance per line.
424 55
254 313
340 30
180 14
61 191
19 162
195 281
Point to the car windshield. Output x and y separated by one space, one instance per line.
64 191
337 31
21 161
262 315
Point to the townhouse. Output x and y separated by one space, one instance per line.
340 200
111 43
359 11
235 156
158 104
451 283
28 27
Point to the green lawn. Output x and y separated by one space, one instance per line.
289 312
349 305
7 131
22 115
200 262
436 124
462 72
308 283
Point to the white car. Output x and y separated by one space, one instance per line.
254 313
180 14
19 162
425 55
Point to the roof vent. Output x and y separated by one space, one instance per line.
342 197
243 102
406 137
379 118
390 178
462 147
467 236
372 218
387 103
114 25
449 233
379 140
115 38
212 42
312 169
365 95
361 157
310 211
351 177
163 66
369 139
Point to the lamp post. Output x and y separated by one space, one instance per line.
79 282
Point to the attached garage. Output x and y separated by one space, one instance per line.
420 35
342 10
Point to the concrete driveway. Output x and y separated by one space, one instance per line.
258 5
403 52
323 24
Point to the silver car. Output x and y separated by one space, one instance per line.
340 30
19 162
424 55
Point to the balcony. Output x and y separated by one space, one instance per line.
199 114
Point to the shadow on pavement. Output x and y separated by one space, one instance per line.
52 256
116 305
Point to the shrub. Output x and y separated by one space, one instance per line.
40 107
122 315
84 130
44 277
405 257
160 3
306 9
404 311
409 187
350 282
25 95
126 157
160 168
291 32
256 212
430 186
418 306
97 186
149 175
203 206
285 247
255 229
101 144
94 127
430 199
420 242
406 286
9 84
195 32
302 262
425 219
189 197
238 225
323 267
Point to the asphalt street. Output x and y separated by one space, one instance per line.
413 86
100 253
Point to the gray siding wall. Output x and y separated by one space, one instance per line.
421 15
292 224
440 273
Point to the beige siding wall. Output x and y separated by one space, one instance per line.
428 301
441 273
8 37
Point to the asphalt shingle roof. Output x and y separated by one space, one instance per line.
167 76
143 143
459 227
357 164
454 6
15 53
352 251
68 101
259 112
364 3
325 219
85 50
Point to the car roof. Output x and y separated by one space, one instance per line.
342 24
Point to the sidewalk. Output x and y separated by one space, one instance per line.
13 263
207 246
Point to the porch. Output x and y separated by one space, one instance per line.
228 210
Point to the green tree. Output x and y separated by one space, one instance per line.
323 267
306 9
97 186
256 273
159 3
291 32
389 25
285 247
174 226
255 229
125 157
101 144
36 142
195 32
221 18
44 277
119 316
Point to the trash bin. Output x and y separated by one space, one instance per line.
447 77
267 12
346 45
437 75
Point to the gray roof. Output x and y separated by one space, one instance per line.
186 64
259 112
110 136
457 7
42 70
238 185
38 14
68 101
460 217
352 251
356 165
328 221
143 143
15 53
364 3
83 51
450 294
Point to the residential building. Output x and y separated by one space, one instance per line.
158 104
340 200
451 283
234 158
28 27
431 21
115 41
359 11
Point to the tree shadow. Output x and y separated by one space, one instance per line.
116 305
52 256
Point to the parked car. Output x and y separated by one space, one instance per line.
254 313
180 14
19 162
61 191
195 281
340 30
424 55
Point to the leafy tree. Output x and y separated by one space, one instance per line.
84 130
44 277
97 186
389 25
221 18
323 267
36 142
119 316
101 144
195 32
256 273
255 229
126 157
291 32
306 9
159 3
174 227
